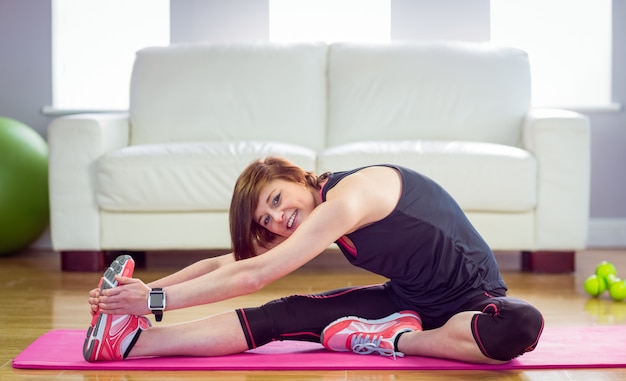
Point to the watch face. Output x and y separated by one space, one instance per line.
156 300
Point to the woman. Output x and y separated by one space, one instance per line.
445 297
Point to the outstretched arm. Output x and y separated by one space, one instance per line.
233 278
192 271
356 201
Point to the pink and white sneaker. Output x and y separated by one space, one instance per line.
110 337
362 336
123 265
113 337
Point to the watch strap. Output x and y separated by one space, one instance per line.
158 315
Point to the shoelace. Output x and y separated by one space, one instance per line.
364 344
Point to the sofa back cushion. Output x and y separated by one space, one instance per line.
230 92
427 91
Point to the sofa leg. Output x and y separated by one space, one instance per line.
96 260
86 261
548 261
138 256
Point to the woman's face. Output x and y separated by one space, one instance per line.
282 206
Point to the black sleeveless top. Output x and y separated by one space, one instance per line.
434 258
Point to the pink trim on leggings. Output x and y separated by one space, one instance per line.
247 327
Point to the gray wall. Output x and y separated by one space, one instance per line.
219 20
26 85
25 61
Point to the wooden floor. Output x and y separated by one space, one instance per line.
36 297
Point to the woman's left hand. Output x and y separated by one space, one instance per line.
130 297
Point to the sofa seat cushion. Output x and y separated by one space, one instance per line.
182 177
484 177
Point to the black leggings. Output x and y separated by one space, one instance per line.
503 327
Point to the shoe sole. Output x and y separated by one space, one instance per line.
94 338
350 319
123 265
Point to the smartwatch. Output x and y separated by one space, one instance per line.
156 302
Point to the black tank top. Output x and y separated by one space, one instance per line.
434 258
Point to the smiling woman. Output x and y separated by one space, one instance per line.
444 290
252 234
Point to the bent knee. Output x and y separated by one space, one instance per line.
507 329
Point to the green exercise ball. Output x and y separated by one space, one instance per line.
24 207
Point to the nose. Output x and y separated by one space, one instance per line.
277 215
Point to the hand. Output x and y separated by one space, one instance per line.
130 297
94 300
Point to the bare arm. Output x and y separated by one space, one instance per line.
358 200
190 272
194 270
237 277
325 224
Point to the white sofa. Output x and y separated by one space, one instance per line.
160 177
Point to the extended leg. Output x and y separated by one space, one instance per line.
212 336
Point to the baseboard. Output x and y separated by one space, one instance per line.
607 233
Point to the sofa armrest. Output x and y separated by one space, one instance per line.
75 143
560 140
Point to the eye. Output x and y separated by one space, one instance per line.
275 200
266 220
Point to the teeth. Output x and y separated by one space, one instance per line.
292 219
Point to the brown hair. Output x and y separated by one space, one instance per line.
245 234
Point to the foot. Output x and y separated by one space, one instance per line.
113 337
362 336
124 265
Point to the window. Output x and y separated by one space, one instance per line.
569 46
94 45
329 20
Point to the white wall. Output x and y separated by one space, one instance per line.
26 84
440 20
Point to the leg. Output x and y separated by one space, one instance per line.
506 328
297 317
213 336
453 340
304 317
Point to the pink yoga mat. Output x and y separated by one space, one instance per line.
571 347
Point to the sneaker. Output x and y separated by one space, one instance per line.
113 337
362 336
123 265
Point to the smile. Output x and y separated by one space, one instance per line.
292 219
